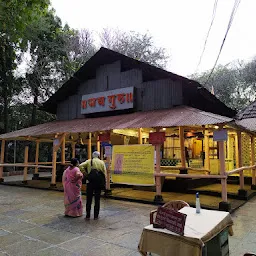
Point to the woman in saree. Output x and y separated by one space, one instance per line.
72 183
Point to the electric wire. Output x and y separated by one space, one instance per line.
208 33
234 10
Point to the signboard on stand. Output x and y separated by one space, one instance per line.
156 138
104 137
171 220
108 151
133 164
220 135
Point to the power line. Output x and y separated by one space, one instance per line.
234 10
208 33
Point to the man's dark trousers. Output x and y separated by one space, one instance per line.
92 189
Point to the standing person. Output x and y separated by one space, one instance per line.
187 155
72 183
94 183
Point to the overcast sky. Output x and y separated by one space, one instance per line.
178 25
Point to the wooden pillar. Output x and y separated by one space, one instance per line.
25 170
54 157
37 156
89 146
222 171
108 176
207 151
63 145
182 147
253 161
238 147
2 160
98 143
140 136
239 158
158 196
73 145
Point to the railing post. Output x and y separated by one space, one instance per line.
224 205
242 193
253 186
140 136
36 174
63 146
2 160
158 196
207 151
89 146
54 157
25 170
182 147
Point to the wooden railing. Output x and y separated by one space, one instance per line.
207 175
241 174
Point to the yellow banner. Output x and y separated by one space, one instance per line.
133 164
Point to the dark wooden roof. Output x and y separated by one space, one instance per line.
207 102
248 112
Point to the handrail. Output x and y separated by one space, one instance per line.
190 176
26 165
240 169
67 162
187 168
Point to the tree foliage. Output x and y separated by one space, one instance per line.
234 84
135 45
15 16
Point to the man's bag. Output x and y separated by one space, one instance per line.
96 177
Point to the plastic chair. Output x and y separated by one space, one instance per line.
174 205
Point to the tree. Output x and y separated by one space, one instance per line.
79 46
14 18
234 84
45 44
135 45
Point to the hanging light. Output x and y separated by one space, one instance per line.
164 129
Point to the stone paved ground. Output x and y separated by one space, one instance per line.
32 223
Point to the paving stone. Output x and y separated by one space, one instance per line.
82 244
37 231
26 248
4 232
11 239
54 251
130 240
108 249
57 237
18 226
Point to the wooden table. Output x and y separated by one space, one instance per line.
205 234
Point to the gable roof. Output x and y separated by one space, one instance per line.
149 73
247 112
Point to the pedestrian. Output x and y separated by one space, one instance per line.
95 171
72 183
187 155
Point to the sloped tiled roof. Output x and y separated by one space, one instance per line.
178 116
248 112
